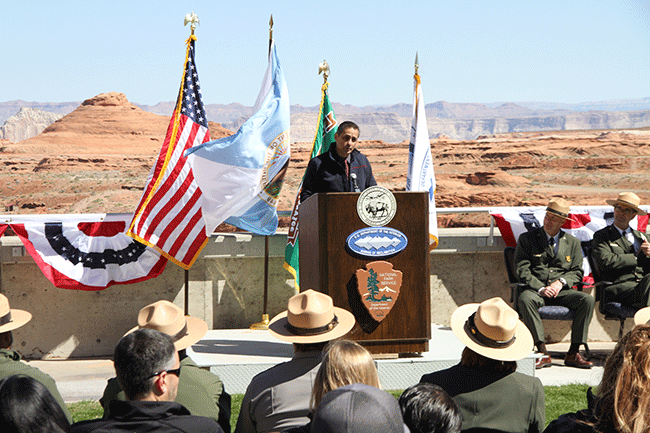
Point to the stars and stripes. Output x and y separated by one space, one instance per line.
169 216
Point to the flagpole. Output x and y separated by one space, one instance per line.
193 20
270 33
417 64
324 68
264 324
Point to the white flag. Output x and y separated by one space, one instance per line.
420 175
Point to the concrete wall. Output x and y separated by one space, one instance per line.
226 290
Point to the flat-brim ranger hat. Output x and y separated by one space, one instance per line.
628 199
492 329
642 316
559 207
170 319
311 317
11 318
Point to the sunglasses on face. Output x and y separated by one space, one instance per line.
174 371
625 210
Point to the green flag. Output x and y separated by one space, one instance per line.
325 131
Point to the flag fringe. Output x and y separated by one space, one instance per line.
323 89
292 271
170 150
168 256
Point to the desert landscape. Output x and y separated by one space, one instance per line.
96 159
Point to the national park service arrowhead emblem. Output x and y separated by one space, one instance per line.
379 287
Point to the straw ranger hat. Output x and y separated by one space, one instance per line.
10 318
628 199
492 329
169 319
311 317
642 316
559 207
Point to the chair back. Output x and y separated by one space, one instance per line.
509 259
593 264
595 273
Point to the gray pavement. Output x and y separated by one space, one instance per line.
559 374
78 379
85 379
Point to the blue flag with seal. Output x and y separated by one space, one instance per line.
241 176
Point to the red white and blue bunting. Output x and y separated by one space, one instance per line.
85 252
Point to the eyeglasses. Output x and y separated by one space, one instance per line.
626 210
175 371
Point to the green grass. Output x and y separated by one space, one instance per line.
83 410
564 399
559 400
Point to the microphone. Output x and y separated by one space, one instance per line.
355 185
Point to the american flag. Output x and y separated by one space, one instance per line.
169 216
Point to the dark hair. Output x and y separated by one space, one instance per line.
6 340
471 359
345 125
138 356
427 408
310 347
26 406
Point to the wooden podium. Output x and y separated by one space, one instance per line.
328 266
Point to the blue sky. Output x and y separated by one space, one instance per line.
469 51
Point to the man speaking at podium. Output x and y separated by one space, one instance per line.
341 169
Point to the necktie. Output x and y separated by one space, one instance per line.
630 238
551 242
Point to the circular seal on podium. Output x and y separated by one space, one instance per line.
376 206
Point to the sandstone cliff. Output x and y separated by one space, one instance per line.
107 124
97 158
391 123
27 123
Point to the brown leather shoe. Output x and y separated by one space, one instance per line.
543 361
575 360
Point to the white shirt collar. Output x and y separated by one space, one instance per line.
622 232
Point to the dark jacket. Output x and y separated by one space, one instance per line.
200 391
10 365
511 402
326 173
536 264
583 421
146 416
616 258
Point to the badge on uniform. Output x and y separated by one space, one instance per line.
568 258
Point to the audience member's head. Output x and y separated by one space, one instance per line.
344 363
311 320
26 406
10 319
427 408
147 365
624 400
358 408
170 319
492 330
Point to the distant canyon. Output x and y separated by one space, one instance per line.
389 123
